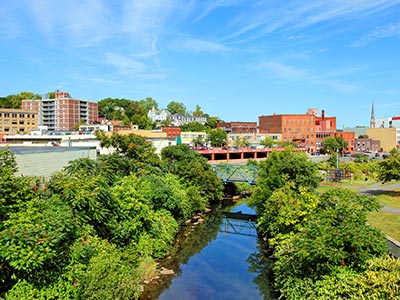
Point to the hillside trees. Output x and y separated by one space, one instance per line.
14 101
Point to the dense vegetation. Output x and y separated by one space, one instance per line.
322 246
92 231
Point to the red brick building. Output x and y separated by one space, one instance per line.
306 130
63 112
238 127
172 130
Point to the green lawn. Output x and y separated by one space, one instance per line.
387 222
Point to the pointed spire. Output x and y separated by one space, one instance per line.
372 121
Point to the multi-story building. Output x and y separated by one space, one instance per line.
238 127
306 130
367 145
63 113
14 121
298 128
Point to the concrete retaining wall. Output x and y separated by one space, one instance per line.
44 161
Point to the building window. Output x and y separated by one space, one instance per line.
6 121
6 129
14 122
21 122
14 115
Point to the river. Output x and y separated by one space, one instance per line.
212 262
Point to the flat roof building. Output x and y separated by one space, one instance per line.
63 112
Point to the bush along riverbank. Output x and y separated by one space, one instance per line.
323 246
94 230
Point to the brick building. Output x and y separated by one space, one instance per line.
14 121
238 127
172 130
306 130
298 128
367 145
63 113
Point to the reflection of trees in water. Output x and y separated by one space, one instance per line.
190 241
260 264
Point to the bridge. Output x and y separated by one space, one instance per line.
236 173
239 223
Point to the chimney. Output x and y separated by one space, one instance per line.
323 114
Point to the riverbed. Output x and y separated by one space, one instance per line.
215 260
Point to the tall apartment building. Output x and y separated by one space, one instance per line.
14 121
63 112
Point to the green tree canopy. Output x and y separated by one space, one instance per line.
175 107
14 101
331 144
281 167
389 168
141 153
194 170
217 137
198 112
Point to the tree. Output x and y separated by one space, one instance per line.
217 137
194 170
198 111
14 101
279 168
175 107
389 168
335 234
148 103
193 127
212 122
331 144
241 141
141 153
267 142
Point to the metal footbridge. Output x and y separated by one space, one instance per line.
239 223
236 173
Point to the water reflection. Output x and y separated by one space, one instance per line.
210 264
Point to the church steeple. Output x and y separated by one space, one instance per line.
372 121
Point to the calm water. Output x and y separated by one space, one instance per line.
213 264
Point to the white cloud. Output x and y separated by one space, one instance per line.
391 30
288 72
124 64
267 17
283 71
199 45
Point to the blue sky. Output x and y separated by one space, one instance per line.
237 59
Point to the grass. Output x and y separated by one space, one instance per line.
389 198
387 222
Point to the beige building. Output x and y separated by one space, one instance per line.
387 137
253 138
189 137
14 121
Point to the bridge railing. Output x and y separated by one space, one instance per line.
236 173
